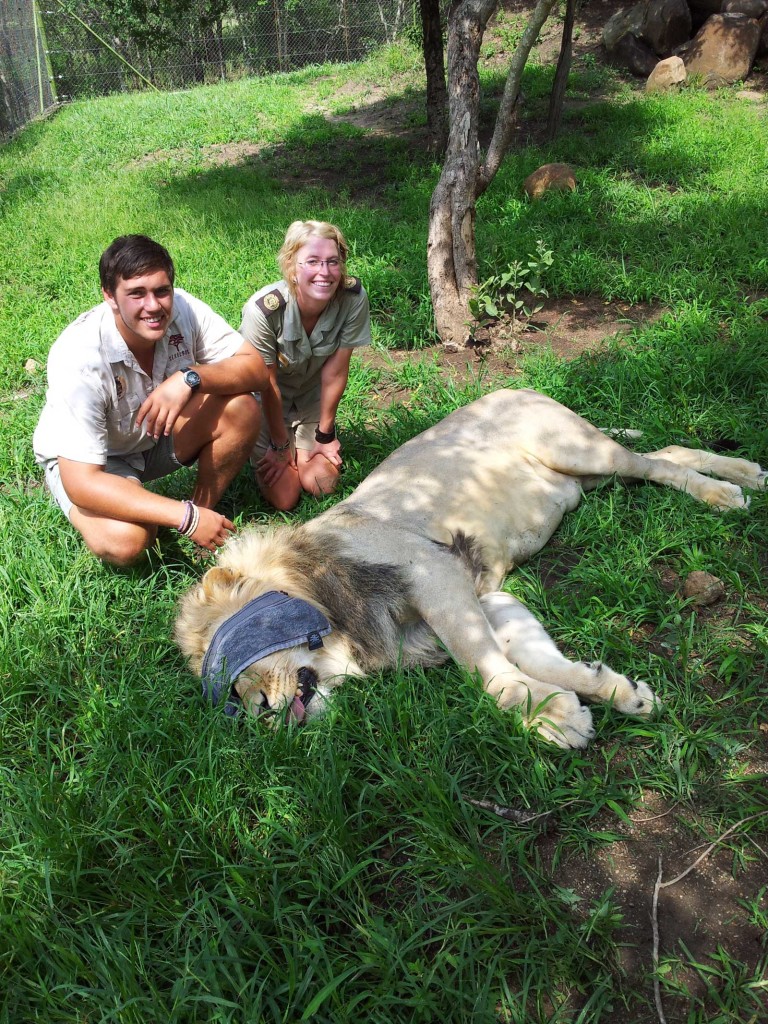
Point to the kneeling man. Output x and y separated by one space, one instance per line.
149 381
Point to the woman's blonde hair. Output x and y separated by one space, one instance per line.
297 235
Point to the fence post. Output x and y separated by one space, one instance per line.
41 47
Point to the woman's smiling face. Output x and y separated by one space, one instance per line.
317 270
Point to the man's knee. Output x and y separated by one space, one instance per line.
241 415
116 543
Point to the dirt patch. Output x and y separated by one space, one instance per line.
701 911
567 327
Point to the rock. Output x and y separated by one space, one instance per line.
31 366
637 57
667 75
667 24
752 8
762 46
629 22
723 49
702 588
549 176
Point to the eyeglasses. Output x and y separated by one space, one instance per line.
313 264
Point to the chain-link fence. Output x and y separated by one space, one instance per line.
96 47
26 82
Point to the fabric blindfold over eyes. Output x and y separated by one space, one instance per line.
265 625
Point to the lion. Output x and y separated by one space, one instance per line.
407 570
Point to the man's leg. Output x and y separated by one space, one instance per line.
217 431
112 540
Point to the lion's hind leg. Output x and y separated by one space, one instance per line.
725 467
526 644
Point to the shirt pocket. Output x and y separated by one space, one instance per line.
125 413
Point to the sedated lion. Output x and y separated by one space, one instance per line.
407 569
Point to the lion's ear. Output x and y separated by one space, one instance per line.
216 580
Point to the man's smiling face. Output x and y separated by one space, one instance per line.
143 307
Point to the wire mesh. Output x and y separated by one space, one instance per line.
26 87
73 49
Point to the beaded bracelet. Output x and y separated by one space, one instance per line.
280 447
325 436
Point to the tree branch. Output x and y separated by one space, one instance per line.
502 132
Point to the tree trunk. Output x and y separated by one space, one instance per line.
434 65
563 70
451 263
451 257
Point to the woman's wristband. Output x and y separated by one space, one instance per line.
325 436
280 447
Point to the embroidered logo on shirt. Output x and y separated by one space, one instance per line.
176 340
120 387
271 301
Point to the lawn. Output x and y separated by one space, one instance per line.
160 864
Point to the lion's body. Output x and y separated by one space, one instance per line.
411 562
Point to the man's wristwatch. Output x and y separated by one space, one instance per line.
191 379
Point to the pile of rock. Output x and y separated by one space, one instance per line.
668 41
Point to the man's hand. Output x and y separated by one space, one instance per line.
160 410
213 529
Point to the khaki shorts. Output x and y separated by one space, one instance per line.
301 425
159 461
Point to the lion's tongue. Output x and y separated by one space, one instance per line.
297 710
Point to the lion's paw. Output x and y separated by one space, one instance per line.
639 699
724 495
561 719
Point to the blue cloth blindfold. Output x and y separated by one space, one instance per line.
265 625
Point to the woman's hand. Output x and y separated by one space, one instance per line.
330 451
274 464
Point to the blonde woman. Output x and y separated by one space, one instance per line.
306 327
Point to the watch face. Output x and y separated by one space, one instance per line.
192 378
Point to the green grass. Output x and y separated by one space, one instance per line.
159 863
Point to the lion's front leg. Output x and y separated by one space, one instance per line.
555 714
451 609
527 644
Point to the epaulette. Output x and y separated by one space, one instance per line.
271 302
353 284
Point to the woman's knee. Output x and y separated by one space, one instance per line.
319 481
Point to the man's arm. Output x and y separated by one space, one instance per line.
104 494
239 374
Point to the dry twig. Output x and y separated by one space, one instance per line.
673 881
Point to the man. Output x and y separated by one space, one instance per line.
148 381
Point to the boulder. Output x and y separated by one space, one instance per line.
547 177
762 46
752 8
636 37
723 49
667 24
637 57
667 75
629 22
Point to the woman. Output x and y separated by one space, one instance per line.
306 327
